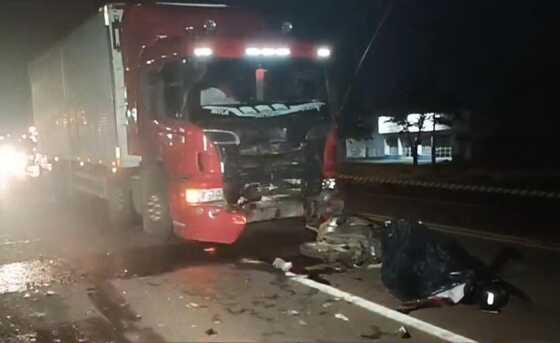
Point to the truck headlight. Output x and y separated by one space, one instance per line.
197 195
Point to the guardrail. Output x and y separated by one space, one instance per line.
449 186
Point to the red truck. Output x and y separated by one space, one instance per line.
200 118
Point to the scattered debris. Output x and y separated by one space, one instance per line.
50 293
284 266
350 240
211 332
216 319
302 322
138 316
27 295
246 260
293 313
341 317
330 302
491 312
236 309
38 315
193 305
375 266
403 332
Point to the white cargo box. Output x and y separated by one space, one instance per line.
79 96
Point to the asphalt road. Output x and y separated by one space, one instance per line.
65 277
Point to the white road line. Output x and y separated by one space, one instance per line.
386 312
461 231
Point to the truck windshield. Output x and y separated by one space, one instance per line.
254 89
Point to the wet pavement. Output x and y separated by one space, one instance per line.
64 277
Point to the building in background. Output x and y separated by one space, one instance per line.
390 144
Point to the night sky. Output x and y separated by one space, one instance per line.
492 57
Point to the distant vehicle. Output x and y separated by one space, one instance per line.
196 117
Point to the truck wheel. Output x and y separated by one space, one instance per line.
156 219
119 204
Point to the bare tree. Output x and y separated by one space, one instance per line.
412 130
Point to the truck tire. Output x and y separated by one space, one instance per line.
156 219
119 203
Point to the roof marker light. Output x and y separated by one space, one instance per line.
252 51
203 52
283 52
323 52
268 52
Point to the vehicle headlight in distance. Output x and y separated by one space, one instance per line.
329 184
12 161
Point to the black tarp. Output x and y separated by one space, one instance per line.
419 263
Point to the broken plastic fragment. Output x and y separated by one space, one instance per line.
341 317
246 260
284 266
293 313
403 332
38 315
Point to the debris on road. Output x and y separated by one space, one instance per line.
211 332
349 240
302 322
193 305
284 266
216 319
38 315
403 332
236 309
293 313
341 317
330 302
246 260
50 293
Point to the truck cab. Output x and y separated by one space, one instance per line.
221 120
